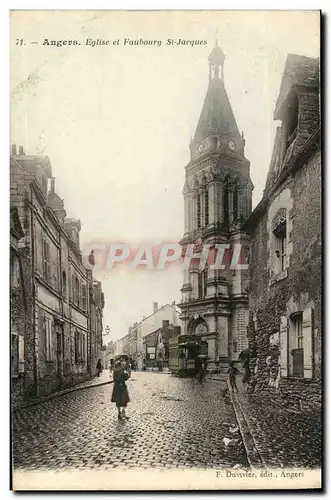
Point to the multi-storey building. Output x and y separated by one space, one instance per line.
156 344
285 259
19 296
217 199
58 343
133 342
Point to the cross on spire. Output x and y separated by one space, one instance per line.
216 59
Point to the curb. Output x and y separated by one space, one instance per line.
56 395
254 458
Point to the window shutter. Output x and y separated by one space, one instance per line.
21 356
283 347
14 354
307 330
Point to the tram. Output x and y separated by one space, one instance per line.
184 351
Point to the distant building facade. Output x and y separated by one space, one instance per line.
133 342
156 344
285 323
107 354
60 337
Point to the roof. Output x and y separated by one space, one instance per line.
31 161
299 71
308 149
216 117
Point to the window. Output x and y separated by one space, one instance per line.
207 206
235 347
214 142
298 330
64 284
46 260
283 250
226 204
202 283
200 287
198 211
49 339
204 279
279 241
14 271
84 297
75 290
296 344
80 346
292 120
17 354
235 203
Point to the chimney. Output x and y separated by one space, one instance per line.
155 308
21 151
52 185
14 150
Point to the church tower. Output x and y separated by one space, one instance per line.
218 198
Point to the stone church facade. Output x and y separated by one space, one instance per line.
218 199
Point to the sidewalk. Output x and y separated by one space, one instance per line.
105 378
282 438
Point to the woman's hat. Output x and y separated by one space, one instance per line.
118 365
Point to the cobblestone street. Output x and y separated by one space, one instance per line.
173 423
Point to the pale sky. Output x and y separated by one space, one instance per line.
116 120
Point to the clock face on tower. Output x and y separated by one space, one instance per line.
201 147
232 145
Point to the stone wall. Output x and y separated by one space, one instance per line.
303 285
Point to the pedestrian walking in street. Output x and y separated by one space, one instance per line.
233 372
120 394
99 367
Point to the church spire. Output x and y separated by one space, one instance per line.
216 116
216 59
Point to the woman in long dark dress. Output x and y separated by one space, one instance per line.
120 394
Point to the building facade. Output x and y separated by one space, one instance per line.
285 260
133 342
57 350
107 354
19 296
217 199
156 344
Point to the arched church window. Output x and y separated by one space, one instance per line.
198 210
204 279
226 203
235 203
207 206
202 283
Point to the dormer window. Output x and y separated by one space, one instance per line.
292 120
